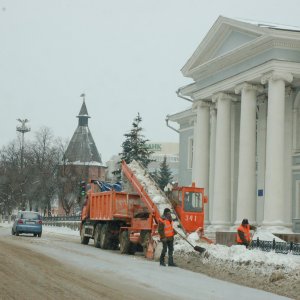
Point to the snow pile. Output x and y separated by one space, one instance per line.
154 192
265 235
241 254
237 255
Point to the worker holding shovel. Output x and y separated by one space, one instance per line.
166 233
243 236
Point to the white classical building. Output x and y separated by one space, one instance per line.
240 138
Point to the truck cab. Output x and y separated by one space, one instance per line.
189 205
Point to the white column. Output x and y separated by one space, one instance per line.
196 153
246 193
201 145
212 156
222 203
261 156
274 182
200 171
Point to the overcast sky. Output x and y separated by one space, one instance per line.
125 55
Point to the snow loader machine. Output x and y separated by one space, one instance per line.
128 219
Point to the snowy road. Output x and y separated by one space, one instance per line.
115 276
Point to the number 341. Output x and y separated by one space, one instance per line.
191 218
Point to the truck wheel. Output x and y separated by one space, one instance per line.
97 235
104 237
114 244
126 247
146 241
124 242
83 239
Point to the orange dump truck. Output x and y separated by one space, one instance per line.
128 220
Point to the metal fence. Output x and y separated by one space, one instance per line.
277 247
72 222
62 218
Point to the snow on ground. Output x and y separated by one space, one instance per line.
60 230
269 271
241 254
234 253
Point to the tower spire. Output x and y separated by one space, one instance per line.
82 147
83 114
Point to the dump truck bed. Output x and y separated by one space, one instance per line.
112 205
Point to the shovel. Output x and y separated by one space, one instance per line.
196 248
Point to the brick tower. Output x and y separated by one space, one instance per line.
82 152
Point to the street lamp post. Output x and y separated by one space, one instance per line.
22 129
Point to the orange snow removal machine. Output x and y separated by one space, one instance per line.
128 220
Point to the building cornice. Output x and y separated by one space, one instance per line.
182 116
252 75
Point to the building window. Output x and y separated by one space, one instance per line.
190 152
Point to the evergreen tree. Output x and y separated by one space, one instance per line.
154 175
134 146
164 174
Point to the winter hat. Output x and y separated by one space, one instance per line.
245 222
166 210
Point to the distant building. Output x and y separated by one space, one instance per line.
168 150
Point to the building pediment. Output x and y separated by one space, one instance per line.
233 40
230 41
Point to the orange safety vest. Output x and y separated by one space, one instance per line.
168 228
246 231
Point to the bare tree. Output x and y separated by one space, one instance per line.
33 185
68 182
45 158
43 176
11 181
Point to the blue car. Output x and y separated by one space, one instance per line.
27 222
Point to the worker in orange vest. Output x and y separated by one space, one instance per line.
243 236
166 233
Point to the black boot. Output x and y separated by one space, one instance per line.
162 262
171 262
